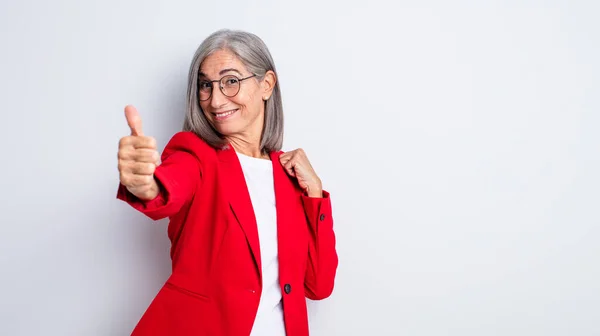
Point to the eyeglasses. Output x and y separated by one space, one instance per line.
229 85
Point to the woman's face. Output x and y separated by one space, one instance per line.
242 114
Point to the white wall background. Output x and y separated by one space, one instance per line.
459 141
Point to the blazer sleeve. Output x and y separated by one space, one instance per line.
322 256
178 177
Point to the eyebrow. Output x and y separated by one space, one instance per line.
222 72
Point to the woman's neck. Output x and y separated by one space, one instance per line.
248 148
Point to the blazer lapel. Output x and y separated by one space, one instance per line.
284 200
239 200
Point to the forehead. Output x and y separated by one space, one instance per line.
218 61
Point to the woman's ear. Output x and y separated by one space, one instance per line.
268 84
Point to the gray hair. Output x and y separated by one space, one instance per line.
255 55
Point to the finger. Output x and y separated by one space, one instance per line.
284 162
144 142
289 154
135 181
302 163
133 120
128 168
143 168
137 142
284 159
289 167
140 155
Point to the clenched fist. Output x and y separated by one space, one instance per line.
296 164
138 158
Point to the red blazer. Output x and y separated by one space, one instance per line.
215 285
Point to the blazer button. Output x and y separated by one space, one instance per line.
287 288
322 217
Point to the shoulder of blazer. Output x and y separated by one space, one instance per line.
278 153
191 143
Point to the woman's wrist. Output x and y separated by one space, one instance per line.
316 192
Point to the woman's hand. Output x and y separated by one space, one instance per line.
138 158
297 165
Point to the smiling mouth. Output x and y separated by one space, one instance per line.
225 114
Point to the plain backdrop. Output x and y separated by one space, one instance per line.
459 141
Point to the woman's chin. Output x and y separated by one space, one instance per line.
226 130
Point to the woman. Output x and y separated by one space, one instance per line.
250 226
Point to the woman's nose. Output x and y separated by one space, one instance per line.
218 99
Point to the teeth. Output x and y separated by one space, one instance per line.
224 114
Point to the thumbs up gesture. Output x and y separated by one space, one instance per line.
138 158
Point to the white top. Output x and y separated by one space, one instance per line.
259 179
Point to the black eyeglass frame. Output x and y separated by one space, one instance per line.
221 86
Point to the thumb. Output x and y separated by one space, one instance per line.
133 120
